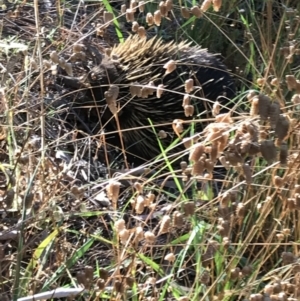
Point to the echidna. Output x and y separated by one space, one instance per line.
138 62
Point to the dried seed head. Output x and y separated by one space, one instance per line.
206 5
283 154
119 225
196 11
140 204
133 5
150 197
129 15
189 110
226 118
123 8
113 190
278 182
165 224
170 66
135 26
189 85
124 236
68 68
135 90
217 5
209 165
205 277
81 278
186 100
169 5
214 152
282 128
254 110
178 219
178 126
159 91
162 134
291 82
142 32
189 208
275 82
216 108
296 99
185 12
139 233
268 150
274 113
103 274
138 187
54 57
261 81
150 237
163 9
149 19
196 152
157 18
240 210
251 94
108 17
198 168
170 257
263 106
119 287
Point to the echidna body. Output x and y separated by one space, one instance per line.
139 62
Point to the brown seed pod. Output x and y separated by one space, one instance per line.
129 15
261 81
226 118
296 99
216 108
189 110
123 8
186 100
283 154
198 168
209 165
178 220
157 18
140 204
196 152
189 85
263 106
162 134
291 82
275 82
254 110
113 191
206 5
170 257
188 208
165 224
240 210
170 66
274 112
159 91
196 11
251 94
224 162
278 182
54 57
119 225
217 5
150 237
185 12
169 5
235 273
108 17
268 150
9 198
135 26
124 236
282 128
163 9
149 19
205 277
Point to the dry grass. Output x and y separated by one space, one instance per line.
74 226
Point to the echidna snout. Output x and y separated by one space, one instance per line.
141 62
